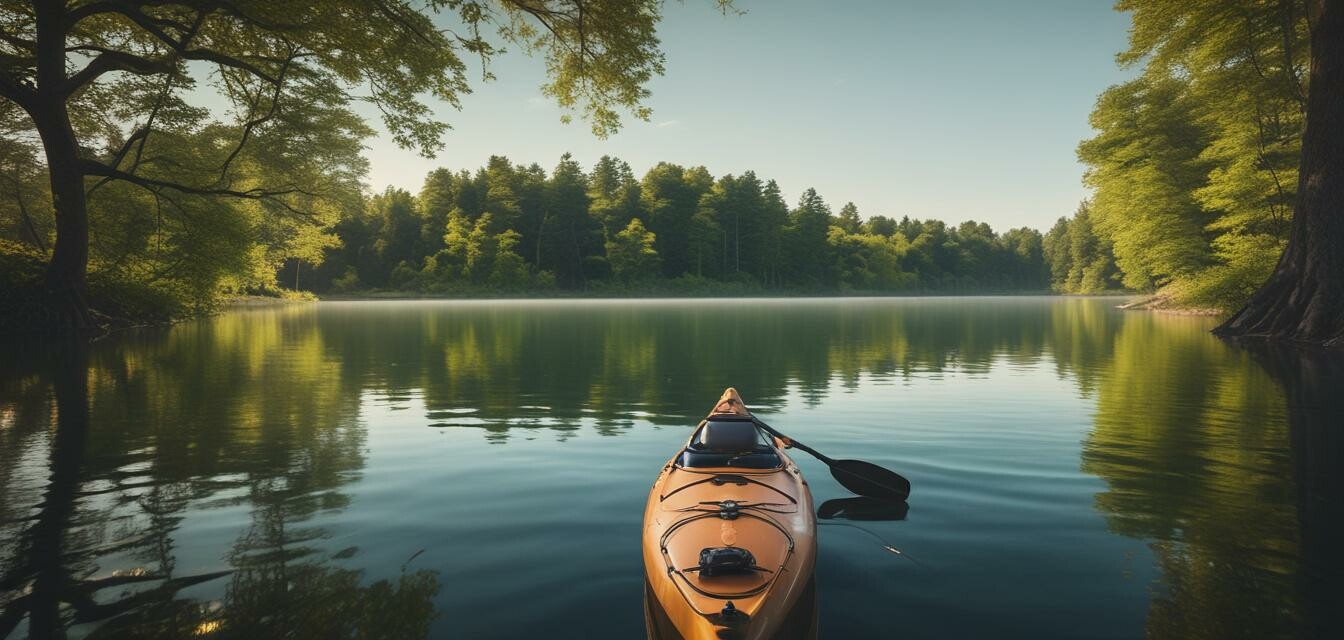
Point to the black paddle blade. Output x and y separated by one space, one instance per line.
868 479
863 508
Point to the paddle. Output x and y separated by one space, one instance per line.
863 478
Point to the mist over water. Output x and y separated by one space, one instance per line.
479 469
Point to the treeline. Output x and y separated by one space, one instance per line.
1194 164
1081 261
512 228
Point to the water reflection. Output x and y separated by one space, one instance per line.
136 436
1189 437
203 479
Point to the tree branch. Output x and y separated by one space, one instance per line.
152 26
115 61
95 168
256 122
16 91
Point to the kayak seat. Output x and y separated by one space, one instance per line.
729 443
727 436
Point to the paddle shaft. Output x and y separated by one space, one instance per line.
793 443
863 478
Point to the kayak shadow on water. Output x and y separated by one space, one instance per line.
863 508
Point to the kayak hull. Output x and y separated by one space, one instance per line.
776 525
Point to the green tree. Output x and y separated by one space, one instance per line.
614 193
848 218
806 235
509 272
632 253
569 236
706 242
1058 252
1199 161
670 196
501 194
880 225
1145 167
774 219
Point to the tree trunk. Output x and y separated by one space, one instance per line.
1303 301
70 255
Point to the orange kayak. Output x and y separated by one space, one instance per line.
730 537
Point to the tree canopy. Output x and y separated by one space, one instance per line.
509 227
1194 165
226 131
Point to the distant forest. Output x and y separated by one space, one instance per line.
514 228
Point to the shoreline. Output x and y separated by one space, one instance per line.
671 295
1157 303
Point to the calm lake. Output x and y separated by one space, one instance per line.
479 469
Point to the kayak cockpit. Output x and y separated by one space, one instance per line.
731 442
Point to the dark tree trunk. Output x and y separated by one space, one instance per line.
70 255
1303 301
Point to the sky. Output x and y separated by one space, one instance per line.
954 110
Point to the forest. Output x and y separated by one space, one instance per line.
514 228
125 200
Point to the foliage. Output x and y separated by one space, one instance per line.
1194 165
631 253
675 231
1080 261
199 146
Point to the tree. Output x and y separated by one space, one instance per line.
289 71
1250 90
1145 167
632 253
774 217
806 238
848 218
398 228
614 194
509 272
1058 254
501 183
706 242
1024 259
880 225
570 235
1303 300
670 196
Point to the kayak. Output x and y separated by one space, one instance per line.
730 537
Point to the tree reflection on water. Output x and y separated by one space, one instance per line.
1225 459
130 447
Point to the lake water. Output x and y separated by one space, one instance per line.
479 469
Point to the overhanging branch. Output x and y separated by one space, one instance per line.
119 60
275 195
17 92
111 60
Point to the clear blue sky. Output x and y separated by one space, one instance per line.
951 109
